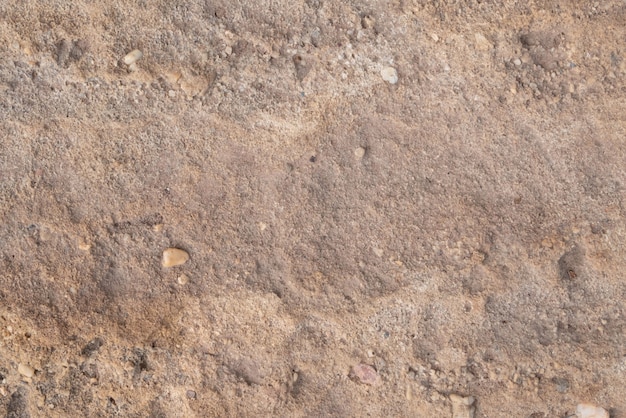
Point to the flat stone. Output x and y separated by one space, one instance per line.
389 74
585 410
25 370
366 374
482 43
462 406
174 257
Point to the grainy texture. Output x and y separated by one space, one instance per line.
461 231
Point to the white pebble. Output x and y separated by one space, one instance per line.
517 61
389 74
585 410
174 257
359 153
25 370
132 57
183 279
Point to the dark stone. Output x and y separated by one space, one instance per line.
92 346
18 405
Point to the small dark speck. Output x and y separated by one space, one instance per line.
313 158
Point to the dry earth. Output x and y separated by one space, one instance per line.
357 247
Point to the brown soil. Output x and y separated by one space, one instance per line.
357 247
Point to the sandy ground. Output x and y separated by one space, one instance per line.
389 207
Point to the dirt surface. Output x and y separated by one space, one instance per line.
388 207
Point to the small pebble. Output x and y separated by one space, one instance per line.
359 153
389 74
25 370
517 61
462 406
191 394
174 257
132 57
434 37
183 279
585 410
366 374
368 22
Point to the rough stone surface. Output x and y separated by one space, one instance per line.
460 231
